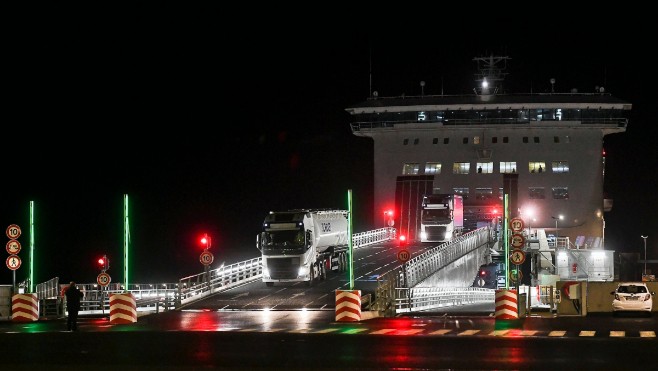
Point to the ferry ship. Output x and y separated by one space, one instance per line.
543 149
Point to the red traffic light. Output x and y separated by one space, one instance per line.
101 262
205 241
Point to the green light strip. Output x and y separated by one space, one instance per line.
349 233
31 273
126 240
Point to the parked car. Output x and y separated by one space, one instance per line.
632 297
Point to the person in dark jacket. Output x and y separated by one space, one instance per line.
73 297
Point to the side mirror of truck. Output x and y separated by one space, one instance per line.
309 239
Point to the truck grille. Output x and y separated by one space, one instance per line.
283 268
435 233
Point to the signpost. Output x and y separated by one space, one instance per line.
206 258
404 256
13 261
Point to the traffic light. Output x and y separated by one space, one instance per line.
402 240
103 263
205 241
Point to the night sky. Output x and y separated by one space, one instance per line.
207 126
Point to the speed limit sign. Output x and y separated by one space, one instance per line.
103 279
206 258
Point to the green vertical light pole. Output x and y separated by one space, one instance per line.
126 241
506 239
349 236
31 273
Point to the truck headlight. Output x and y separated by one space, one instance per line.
303 271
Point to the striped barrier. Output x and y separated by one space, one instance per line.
24 308
123 308
506 304
348 305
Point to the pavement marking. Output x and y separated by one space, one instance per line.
499 332
274 330
354 330
248 330
383 331
327 330
409 332
557 333
587 333
617 334
440 332
528 332
469 332
647 334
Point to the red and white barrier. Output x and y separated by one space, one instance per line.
507 304
24 308
123 308
348 305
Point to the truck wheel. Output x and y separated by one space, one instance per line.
269 284
323 270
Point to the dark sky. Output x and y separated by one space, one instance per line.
208 120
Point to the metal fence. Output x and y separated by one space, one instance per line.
168 296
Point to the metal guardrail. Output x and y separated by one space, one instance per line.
417 299
169 296
392 292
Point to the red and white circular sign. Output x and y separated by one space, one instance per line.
13 231
13 247
103 279
206 258
404 256
13 262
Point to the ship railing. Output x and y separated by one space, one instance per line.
387 124
417 299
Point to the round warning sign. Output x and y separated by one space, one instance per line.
517 257
13 262
206 258
13 247
103 279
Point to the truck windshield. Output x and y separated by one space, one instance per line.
284 238
435 215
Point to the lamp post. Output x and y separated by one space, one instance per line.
556 219
645 254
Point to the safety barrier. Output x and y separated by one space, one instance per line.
348 305
24 308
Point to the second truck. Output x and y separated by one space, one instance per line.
303 245
442 217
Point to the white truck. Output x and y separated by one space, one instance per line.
302 245
442 217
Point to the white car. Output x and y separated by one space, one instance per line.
632 297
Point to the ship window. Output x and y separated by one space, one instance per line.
476 140
433 168
485 167
560 166
435 141
508 167
525 139
461 167
405 142
410 169
536 139
536 193
416 141
483 193
465 140
461 191
536 167
494 139
556 139
446 140
560 193
505 140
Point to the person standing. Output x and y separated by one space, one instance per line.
73 297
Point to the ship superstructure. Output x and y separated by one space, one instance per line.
550 144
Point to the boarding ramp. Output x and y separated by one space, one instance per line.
401 289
